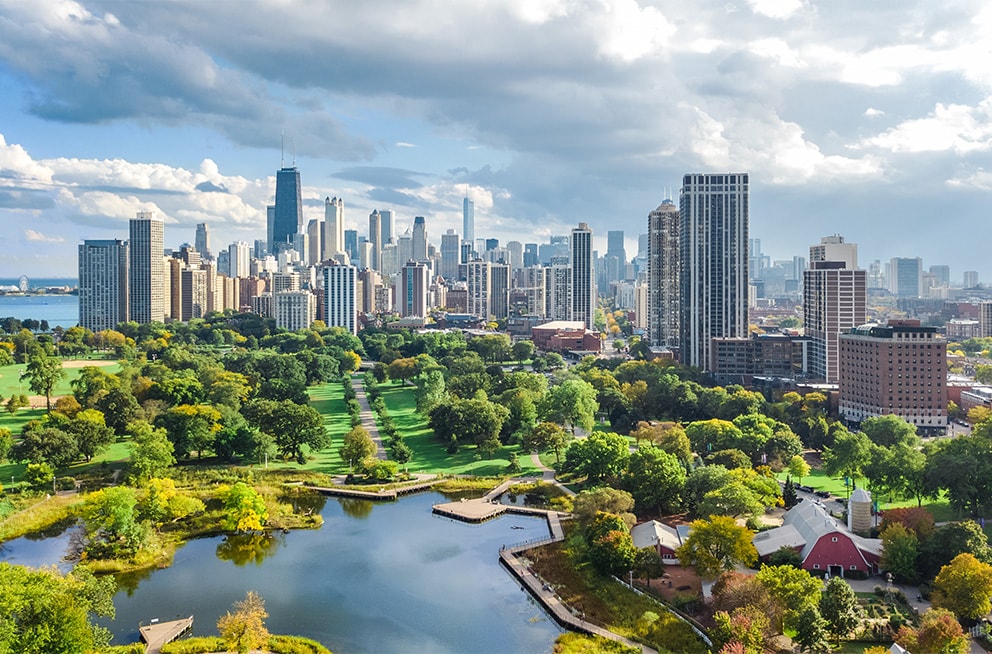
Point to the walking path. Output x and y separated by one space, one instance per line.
548 474
368 417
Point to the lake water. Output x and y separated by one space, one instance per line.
58 310
385 577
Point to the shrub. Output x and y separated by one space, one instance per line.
295 645
66 483
194 645
855 574
133 648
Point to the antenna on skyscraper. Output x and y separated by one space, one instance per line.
282 149
294 151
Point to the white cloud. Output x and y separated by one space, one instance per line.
32 235
17 165
780 9
628 32
956 128
980 180
871 112
404 144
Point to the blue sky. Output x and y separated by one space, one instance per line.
873 120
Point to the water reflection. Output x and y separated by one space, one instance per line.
242 549
356 508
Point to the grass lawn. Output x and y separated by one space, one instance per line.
10 378
16 423
429 456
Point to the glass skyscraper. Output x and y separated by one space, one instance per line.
287 217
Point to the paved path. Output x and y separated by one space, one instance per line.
547 474
368 417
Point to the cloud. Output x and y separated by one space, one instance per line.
780 9
871 112
957 128
404 144
32 235
381 176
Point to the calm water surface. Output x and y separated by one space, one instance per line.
58 310
385 577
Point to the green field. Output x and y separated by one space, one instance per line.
10 378
429 456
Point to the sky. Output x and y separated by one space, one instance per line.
868 119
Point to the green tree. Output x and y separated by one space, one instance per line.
163 503
91 433
42 373
708 436
48 445
798 467
546 436
588 503
743 630
795 588
848 455
403 369
655 478
610 548
112 523
295 428
571 404
151 450
522 350
244 630
473 420
119 407
949 540
601 456
963 587
839 607
16 402
716 545
890 430
39 475
939 633
45 612
431 392
356 447
244 507
811 631
900 551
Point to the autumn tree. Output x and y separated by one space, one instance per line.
715 545
244 507
244 630
798 468
939 632
546 436
963 587
357 446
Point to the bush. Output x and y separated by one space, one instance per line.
856 574
295 645
195 645
66 483
133 648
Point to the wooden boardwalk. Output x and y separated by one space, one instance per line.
384 494
160 633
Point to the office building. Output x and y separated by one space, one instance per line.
896 369
103 287
530 255
615 259
351 243
418 242
713 243
294 310
515 255
333 228
287 213
450 254
905 276
341 297
663 316
315 241
202 240
386 231
468 220
582 280
375 239
413 287
146 294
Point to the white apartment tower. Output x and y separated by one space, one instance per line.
333 228
294 310
583 273
713 256
146 289
103 288
340 297
239 255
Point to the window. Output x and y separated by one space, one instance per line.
816 566
834 539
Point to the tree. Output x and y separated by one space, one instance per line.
6 442
789 496
163 503
522 350
571 404
295 428
889 430
403 369
600 456
473 420
963 587
708 436
42 373
358 445
610 548
950 540
151 450
546 436
900 551
648 564
734 590
46 445
811 631
244 630
655 478
191 427
39 475
794 588
743 630
715 545
430 392
45 611
604 499
798 467
244 508
839 607
963 468
939 633
848 455
119 407
401 453
112 523
91 433
16 402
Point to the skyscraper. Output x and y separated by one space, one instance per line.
834 298
387 227
713 245
147 271
351 243
202 241
333 227
450 254
340 301
240 259
583 287
414 284
663 275
468 220
419 239
375 238
103 270
287 214
315 241
906 277
616 257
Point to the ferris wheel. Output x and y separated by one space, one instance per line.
23 283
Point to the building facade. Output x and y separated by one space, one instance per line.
341 297
287 213
146 291
834 302
413 287
713 262
103 285
294 310
582 276
663 317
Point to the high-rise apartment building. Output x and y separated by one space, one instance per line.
103 287
194 294
418 241
834 298
534 287
488 289
375 238
450 254
582 282
897 369
386 231
833 248
558 278
970 278
202 240
333 228
294 310
315 241
905 275
713 244
515 252
146 293
287 213
663 316
413 287
341 297
468 220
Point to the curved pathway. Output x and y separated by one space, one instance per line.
548 474
368 417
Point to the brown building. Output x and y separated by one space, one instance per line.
739 360
895 369
565 336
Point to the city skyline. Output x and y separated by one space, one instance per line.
861 120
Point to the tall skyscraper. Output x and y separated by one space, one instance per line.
835 292
287 214
713 244
351 243
515 250
419 239
663 275
468 220
583 287
906 277
333 227
340 301
387 227
616 257
530 255
103 288
146 276
375 238
315 241
478 275
240 259
202 241
450 254
414 284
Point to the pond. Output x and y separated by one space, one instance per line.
384 577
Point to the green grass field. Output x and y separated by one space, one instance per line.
10 378
429 456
